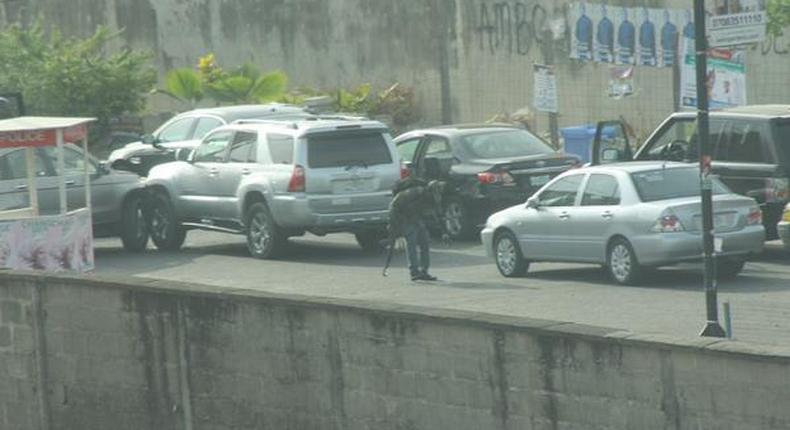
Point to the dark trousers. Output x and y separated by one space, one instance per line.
417 247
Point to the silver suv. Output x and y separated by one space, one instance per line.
273 180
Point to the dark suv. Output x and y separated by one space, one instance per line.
750 148
489 168
187 129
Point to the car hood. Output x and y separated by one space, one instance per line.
500 218
140 148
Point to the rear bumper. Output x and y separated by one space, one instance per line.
294 211
669 248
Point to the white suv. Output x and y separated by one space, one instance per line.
271 180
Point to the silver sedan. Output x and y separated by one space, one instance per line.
627 217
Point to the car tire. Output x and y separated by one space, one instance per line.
265 240
508 256
622 264
371 240
729 268
134 227
457 222
166 231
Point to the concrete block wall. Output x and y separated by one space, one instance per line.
152 355
480 51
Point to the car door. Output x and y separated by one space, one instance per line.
240 163
407 150
611 143
435 158
202 184
546 234
598 211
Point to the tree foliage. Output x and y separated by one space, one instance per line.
74 76
778 16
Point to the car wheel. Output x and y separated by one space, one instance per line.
265 240
371 240
729 268
621 261
134 229
166 232
457 222
509 259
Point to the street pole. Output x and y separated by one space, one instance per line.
712 327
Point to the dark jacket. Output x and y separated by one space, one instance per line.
414 201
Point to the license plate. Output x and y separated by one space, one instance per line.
720 221
358 186
539 180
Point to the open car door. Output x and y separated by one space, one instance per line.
611 144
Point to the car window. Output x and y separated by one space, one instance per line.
681 135
782 136
204 126
504 144
243 147
407 148
73 161
601 190
665 184
13 165
213 148
177 131
281 148
743 142
347 149
438 148
561 193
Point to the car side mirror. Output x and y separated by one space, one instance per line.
610 155
121 164
184 154
533 203
102 168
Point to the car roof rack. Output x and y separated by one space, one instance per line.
284 123
478 125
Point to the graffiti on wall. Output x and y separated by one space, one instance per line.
512 27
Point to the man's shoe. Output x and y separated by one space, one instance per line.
425 276
416 277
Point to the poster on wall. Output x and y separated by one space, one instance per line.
621 35
545 89
725 80
49 243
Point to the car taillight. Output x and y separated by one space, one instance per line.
405 172
777 190
755 216
488 178
668 224
297 184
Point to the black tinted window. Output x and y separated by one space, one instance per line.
504 144
281 148
743 142
339 150
601 190
665 184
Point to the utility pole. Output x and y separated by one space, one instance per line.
712 327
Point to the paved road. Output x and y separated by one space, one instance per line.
671 302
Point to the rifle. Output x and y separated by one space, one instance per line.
390 251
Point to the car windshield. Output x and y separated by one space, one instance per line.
504 144
347 149
672 183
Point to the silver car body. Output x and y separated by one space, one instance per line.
582 233
337 198
109 187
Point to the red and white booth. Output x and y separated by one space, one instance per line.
51 242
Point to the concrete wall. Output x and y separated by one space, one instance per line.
468 59
97 354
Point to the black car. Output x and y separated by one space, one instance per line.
187 129
750 151
488 167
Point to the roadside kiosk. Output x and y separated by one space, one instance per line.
55 242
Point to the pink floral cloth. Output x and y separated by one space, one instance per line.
49 243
